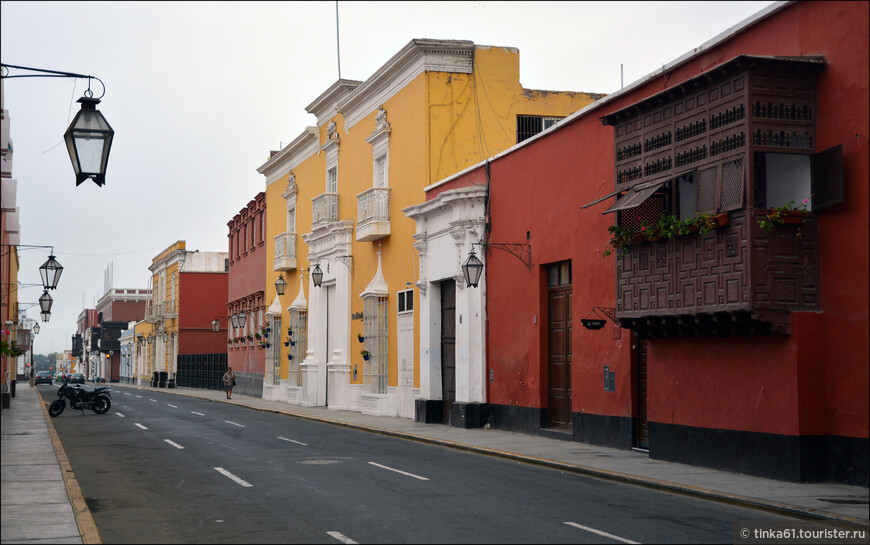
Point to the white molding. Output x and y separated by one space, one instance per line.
418 56
325 106
301 148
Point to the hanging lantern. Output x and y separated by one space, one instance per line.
88 141
50 272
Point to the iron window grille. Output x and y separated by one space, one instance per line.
375 323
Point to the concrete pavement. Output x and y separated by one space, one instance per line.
33 469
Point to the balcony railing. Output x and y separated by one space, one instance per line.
169 311
373 214
285 252
325 209
161 312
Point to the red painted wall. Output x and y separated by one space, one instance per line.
202 299
813 382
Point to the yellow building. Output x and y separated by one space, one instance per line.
335 196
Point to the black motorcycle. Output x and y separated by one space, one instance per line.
96 399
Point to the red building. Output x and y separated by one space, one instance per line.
246 296
741 348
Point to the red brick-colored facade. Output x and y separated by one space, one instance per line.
246 291
791 406
201 302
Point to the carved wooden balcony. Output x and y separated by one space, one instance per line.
285 252
373 214
735 280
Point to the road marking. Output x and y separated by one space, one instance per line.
140 397
599 532
200 414
174 444
292 441
141 426
154 400
398 471
126 393
119 414
233 423
341 537
173 406
226 473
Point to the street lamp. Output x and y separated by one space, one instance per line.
45 316
36 328
472 269
50 272
89 136
45 302
88 141
280 284
215 325
317 275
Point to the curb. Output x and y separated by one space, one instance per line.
84 519
647 482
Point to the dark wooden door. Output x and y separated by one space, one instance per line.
642 420
559 335
448 347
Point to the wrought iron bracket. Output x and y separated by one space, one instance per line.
520 250
610 312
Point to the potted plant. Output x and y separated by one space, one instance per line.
290 331
360 337
365 354
287 343
787 213
257 335
250 337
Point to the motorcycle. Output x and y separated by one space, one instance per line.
96 399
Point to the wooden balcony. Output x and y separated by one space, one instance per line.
735 280
285 252
373 214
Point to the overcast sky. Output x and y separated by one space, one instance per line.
198 93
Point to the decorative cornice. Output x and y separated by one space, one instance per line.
325 106
453 56
301 148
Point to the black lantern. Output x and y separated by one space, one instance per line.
234 319
50 272
317 275
88 141
45 302
242 318
280 284
45 316
472 269
215 325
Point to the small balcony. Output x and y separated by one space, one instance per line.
373 214
324 209
169 310
285 252
154 314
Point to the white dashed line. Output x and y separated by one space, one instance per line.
126 393
599 532
226 473
399 471
200 414
174 444
341 537
140 397
119 414
154 400
141 426
292 441
173 406
233 423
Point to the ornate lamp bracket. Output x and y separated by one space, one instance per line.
520 250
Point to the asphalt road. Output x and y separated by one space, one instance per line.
160 468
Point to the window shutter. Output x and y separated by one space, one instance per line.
731 194
827 178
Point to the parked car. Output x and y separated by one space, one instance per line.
44 377
77 378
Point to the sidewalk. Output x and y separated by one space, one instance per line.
31 477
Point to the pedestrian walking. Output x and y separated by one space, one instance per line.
229 382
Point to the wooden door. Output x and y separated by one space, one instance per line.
559 333
448 347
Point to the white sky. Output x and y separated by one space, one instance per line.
199 92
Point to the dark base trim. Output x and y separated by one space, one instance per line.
428 411
604 430
807 458
469 415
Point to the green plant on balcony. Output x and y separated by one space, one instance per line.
10 348
782 214
667 226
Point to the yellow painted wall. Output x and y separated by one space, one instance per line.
440 124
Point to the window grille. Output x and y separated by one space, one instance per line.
530 125
375 321
297 339
406 301
274 350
